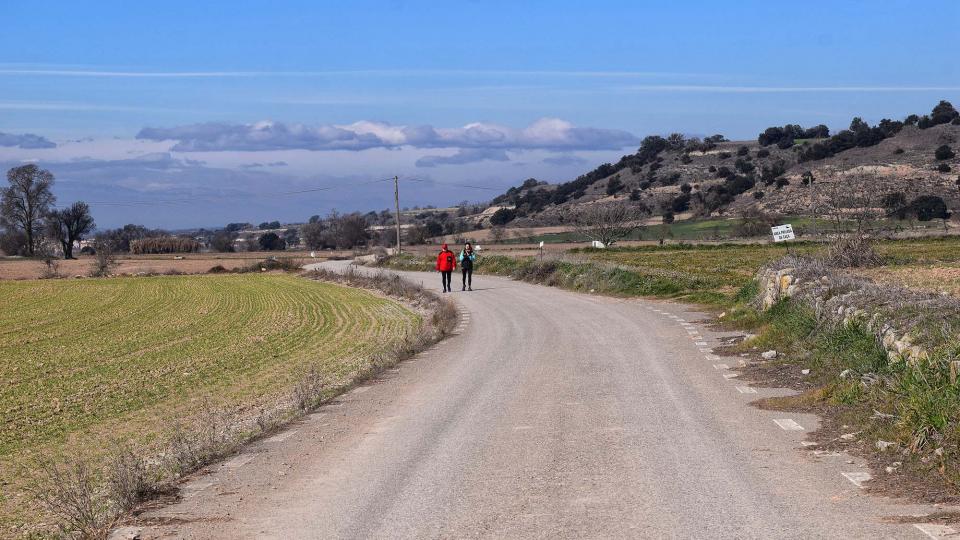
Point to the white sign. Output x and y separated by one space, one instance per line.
313 254
598 244
541 244
782 233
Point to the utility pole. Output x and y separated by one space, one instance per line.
396 201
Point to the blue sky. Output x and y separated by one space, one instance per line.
227 101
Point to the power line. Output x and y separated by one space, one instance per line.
452 184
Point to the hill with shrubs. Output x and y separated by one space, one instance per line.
907 166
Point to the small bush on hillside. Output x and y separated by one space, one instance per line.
724 155
929 207
762 153
944 152
503 216
744 166
614 185
943 167
681 203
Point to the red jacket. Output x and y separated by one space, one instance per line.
446 261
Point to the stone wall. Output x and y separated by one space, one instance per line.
897 317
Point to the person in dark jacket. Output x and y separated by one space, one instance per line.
446 264
467 257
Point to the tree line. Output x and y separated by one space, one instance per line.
29 215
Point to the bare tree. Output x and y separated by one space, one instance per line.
852 203
608 223
70 225
103 261
25 202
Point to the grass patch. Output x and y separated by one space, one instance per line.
863 394
87 363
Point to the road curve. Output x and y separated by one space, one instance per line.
550 414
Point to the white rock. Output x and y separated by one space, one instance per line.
848 436
846 373
805 371
769 355
883 445
125 533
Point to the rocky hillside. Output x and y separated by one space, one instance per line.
786 170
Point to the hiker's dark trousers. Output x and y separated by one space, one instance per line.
446 277
467 277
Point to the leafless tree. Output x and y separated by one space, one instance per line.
852 203
70 225
25 202
103 261
608 223
497 234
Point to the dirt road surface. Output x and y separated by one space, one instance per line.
549 415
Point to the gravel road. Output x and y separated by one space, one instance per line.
549 414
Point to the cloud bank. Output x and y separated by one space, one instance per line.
26 140
546 133
464 155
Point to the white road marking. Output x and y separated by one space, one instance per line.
787 424
746 390
857 477
706 350
712 357
701 343
681 320
239 461
283 436
935 531
721 366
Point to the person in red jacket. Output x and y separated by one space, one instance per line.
446 264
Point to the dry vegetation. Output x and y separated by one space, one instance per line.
189 263
183 367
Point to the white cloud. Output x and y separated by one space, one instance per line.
546 133
25 140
